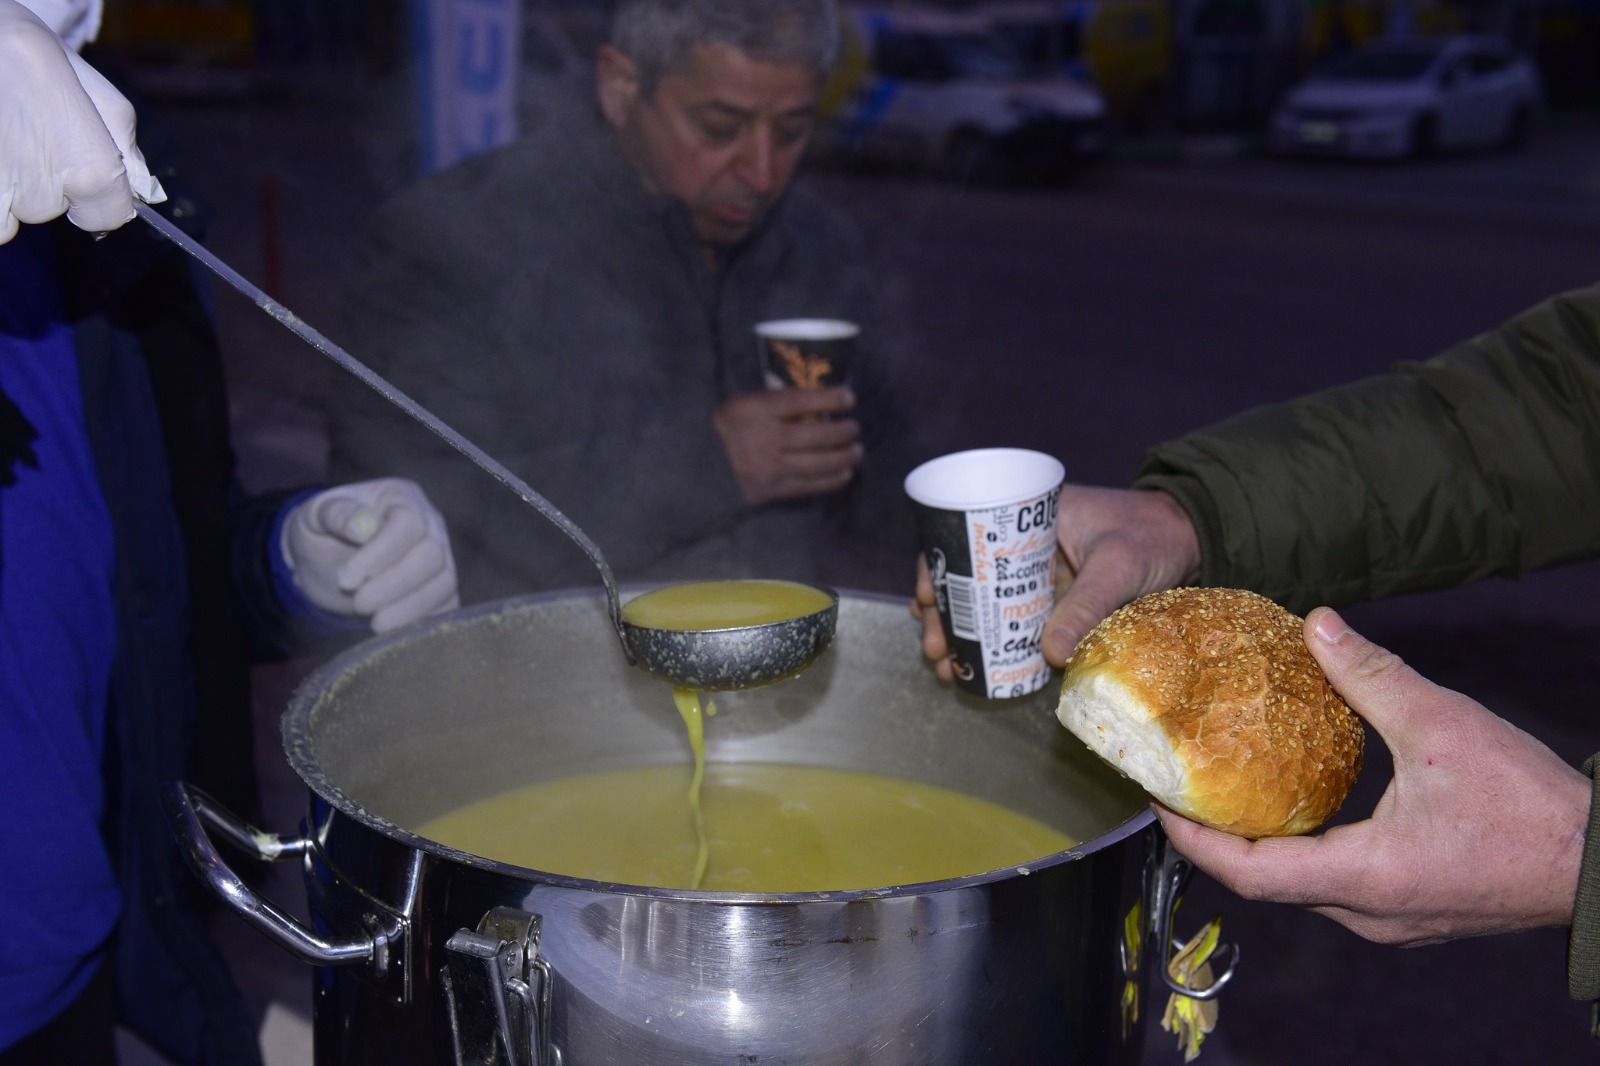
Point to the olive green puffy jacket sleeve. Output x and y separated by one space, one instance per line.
1482 461
1583 945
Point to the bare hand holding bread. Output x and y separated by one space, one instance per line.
1480 831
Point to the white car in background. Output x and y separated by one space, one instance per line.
1412 97
942 91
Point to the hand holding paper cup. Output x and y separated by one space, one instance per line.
987 520
806 353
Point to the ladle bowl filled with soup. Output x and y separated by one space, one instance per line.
513 854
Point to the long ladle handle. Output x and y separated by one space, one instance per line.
382 387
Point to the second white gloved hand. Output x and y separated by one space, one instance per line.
66 136
372 549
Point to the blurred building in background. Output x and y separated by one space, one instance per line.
1225 63
472 73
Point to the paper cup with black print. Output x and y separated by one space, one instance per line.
987 522
806 353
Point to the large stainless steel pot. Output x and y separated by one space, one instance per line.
431 955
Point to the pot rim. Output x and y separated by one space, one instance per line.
297 748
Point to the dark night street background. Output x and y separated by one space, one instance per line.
1163 291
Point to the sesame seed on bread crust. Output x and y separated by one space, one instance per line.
1210 699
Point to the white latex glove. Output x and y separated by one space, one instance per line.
76 22
372 549
66 136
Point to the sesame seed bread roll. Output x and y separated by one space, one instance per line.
1210 699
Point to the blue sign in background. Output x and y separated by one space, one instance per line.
466 56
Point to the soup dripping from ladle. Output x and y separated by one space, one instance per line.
704 636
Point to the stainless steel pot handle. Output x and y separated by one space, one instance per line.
1170 873
189 810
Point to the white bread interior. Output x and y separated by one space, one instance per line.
1209 699
1119 728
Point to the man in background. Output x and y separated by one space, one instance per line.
581 305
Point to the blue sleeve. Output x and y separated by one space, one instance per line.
278 620
311 621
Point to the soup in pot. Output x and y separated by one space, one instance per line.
770 827
746 827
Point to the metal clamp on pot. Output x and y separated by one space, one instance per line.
499 964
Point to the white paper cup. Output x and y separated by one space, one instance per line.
987 520
806 353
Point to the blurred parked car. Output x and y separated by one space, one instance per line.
943 91
1412 98
1122 47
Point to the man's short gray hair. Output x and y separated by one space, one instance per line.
658 35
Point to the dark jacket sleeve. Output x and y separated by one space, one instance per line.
873 519
872 525
1479 462
239 617
1583 946
178 703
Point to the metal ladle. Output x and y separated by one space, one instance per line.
716 659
